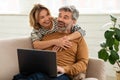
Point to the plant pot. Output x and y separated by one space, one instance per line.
118 75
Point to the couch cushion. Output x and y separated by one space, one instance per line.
96 69
8 56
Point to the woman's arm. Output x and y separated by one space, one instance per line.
42 44
77 32
61 42
74 35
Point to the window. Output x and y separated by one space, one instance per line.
84 6
9 7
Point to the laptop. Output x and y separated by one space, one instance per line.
32 61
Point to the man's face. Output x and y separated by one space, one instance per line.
65 19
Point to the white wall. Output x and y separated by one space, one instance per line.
14 26
18 25
26 6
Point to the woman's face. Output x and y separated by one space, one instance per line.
45 19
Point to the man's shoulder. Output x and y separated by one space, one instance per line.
79 40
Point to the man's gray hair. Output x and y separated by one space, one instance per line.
75 12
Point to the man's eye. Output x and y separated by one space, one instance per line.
59 16
65 17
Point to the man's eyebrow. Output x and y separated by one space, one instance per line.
66 16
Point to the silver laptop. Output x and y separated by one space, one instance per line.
32 61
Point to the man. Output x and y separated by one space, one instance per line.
72 61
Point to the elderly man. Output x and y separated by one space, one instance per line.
70 61
74 60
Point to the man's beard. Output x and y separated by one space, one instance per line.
61 26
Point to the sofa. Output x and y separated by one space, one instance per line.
9 61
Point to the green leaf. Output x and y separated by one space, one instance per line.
103 45
113 18
108 34
110 42
117 36
113 57
111 48
102 54
112 28
116 45
119 25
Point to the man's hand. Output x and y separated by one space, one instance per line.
60 70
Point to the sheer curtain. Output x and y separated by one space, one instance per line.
9 7
84 6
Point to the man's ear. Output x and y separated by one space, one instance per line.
74 21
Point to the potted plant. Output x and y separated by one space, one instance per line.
110 47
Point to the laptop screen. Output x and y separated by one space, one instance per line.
31 61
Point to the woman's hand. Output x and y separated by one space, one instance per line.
57 48
63 42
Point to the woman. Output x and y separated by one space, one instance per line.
43 23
